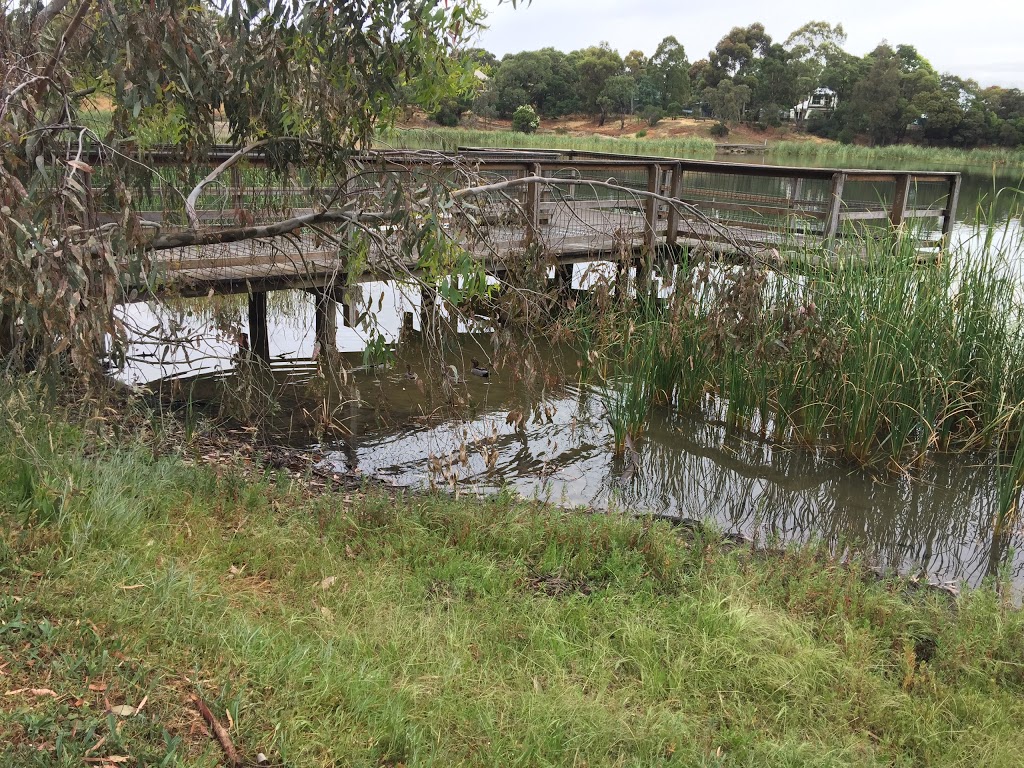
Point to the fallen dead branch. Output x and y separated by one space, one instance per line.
219 731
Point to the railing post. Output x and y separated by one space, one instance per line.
533 205
675 192
645 265
236 193
899 201
651 207
835 206
796 189
949 214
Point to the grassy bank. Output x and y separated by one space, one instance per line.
368 629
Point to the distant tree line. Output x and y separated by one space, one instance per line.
890 95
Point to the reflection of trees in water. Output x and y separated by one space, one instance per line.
981 189
940 519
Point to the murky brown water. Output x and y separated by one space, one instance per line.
939 520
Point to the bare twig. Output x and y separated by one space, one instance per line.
219 731
193 196
22 86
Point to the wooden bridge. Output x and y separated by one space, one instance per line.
563 206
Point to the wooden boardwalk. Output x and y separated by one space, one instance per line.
585 206
556 208
741 148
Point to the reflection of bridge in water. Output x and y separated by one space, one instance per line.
562 207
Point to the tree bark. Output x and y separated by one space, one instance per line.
45 16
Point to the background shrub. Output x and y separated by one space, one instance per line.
525 120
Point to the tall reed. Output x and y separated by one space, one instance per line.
628 363
782 152
879 355
831 153
448 139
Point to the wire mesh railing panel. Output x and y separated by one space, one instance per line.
928 209
594 208
755 207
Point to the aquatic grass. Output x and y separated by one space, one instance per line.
831 153
820 153
880 353
449 139
629 365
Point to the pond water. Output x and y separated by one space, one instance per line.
938 521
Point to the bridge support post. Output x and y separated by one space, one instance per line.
643 269
563 281
326 321
259 335
949 214
622 267
426 309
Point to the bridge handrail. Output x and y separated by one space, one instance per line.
711 185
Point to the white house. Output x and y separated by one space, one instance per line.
822 100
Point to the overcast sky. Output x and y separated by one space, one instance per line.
981 39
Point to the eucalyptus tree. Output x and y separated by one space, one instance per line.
728 100
810 48
736 60
733 57
617 97
670 71
773 83
594 66
877 99
308 80
546 79
884 98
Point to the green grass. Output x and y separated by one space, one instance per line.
388 629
